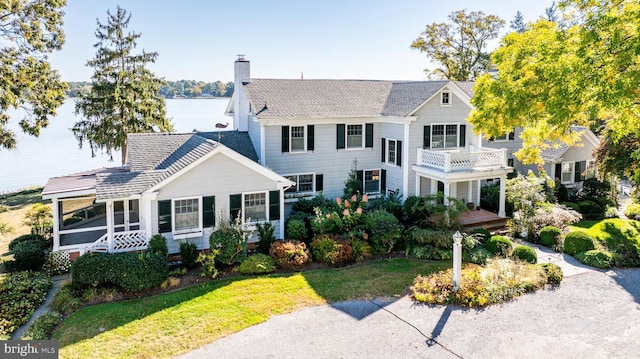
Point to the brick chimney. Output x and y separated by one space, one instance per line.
242 73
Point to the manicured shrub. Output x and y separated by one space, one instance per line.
27 238
525 253
130 271
499 245
265 236
207 263
477 255
550 236
632 211
290 254
27 256
332 250
189 254
571 205
481 234
257 264
591 209
577 242
386 230
158 245
596 258
553 272
429 244
21 294
296 229
555 215
231 240
42 327
627 254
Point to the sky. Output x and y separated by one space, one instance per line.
332 39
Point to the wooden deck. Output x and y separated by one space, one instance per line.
482 219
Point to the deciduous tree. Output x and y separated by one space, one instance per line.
460 45
124 95
29 31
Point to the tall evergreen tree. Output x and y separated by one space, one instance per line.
124 95
517 24
29 31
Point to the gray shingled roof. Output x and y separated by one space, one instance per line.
78 181
286 99
235 140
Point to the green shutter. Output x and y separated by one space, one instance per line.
164 216
285 138
426 137
463 135
235 206
340 129
368 135
274 205
310 139
319 183
399 153
209 211
383 146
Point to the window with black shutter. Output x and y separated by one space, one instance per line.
310 137
235 206
285 138
274 205
340 129
399 153
164 216
463 135
319 182
426 137
368 135
383 152
209 211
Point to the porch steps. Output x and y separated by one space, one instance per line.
482 219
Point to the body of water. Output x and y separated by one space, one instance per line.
56 153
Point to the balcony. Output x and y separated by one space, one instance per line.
474 159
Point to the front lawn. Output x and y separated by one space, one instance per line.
174 323
613 231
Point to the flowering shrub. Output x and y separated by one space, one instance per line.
332 250
289 254
347 218
386 230
20 295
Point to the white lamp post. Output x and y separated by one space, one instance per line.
457 260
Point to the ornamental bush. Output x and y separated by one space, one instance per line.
525 253
158 245
189 254
257 264
27 256
429 244
481 234
591 209
231 241
130 271
290 254
551 237
265 236
27 238
477 255
361 249
386 230
332 250
553 272
21 294
596 258
578 242
632 211
296 229
499 245
43 326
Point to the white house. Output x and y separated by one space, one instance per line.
410 137
178 185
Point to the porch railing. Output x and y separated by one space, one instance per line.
122 242
454 161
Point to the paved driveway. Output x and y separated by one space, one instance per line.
592 314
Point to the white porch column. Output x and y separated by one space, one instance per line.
109 214
479 193
434 186
501 211
447 192
282 236
417 186
56 224
146 212
469 192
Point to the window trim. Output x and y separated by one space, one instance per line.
444 135
297 175
442 96
266 205
304 139
391 160
573 172
182 234
364 176
346 136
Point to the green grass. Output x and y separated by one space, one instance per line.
171 324
612 231
13 207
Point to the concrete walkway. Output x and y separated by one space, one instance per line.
58 281
592 314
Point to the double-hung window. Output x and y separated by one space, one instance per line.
371 182
568 172
304 183
391 151
297 139
445 98
187 216
255 207
354 136
444 136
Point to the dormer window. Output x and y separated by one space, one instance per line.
445 98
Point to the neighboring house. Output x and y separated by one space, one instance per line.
178 185
570 165
409 137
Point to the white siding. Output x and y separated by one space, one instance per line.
219 176
254 135
392 131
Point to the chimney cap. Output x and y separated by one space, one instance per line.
241 57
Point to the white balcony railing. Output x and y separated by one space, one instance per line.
455 161
122 242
